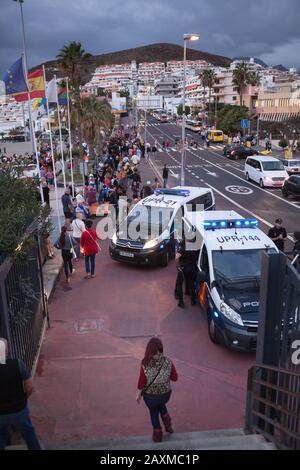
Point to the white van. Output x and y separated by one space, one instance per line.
229 275
147 236
266 171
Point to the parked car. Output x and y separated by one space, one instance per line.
292 166
234 152
291 186
266 171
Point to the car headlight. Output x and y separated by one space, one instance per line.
114 238
151 243
231 314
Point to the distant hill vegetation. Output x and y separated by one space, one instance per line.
162 52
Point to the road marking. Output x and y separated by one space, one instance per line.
174 175
244 209
239 190
236 176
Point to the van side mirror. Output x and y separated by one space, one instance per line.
202 277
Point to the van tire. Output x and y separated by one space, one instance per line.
165 257
247 177
261 184
212 331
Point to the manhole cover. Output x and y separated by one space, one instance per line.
85 326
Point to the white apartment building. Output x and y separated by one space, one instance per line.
110 77
150 71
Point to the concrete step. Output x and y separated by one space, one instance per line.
216 439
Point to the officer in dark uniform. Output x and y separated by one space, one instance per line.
186 264
278 234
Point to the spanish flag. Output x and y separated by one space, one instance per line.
36 86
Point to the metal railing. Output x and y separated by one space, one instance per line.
273 405
23 307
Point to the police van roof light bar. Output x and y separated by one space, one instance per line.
225 224
172 192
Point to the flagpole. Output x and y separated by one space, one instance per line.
32 132
52 154
70 138
60 136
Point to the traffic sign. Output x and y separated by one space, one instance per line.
245 123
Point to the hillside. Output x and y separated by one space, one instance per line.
162 52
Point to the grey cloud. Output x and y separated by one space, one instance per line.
264 28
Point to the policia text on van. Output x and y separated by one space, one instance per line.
229 272
147 235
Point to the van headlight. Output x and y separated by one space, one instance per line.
151 244
231 314
114 238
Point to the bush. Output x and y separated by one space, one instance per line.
283 143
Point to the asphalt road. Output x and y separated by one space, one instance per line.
209 167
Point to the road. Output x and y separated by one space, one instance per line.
209 167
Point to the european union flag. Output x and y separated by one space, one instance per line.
14 78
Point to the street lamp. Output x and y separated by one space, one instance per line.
186 37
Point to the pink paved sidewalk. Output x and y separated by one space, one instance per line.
88 370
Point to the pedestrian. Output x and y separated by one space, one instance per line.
67 204
78 227
16 387
207 141
278 234
46 190
186 264
156 373
66 243
165 175
146 190
83 210
89 245
156 184
154 151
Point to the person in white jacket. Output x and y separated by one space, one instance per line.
78 228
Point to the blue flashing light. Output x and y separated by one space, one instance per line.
216 314
239 223
161 246
172 192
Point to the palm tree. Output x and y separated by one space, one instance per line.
208 78
71 59
241 78
94 116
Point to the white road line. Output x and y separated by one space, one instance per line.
236 176
244 208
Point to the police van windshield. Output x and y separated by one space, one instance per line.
234 267
146 222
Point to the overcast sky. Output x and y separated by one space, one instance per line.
268 29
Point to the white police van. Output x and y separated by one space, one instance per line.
147 235
229 275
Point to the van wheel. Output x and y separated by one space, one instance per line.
212 330
261 183
247 177
165 258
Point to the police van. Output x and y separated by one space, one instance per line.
148 234
229 275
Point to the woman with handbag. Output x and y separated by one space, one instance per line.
66 243
90 247
154 386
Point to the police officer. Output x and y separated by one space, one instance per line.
186 264
278 234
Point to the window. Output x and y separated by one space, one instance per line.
200 202
204 260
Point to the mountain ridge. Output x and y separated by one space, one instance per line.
158 52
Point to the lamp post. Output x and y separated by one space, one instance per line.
186 37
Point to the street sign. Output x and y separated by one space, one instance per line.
245 123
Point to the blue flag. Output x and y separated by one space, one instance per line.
14 78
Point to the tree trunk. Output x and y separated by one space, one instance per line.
209 105
241 99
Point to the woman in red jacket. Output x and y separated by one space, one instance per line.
90 247
154 386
